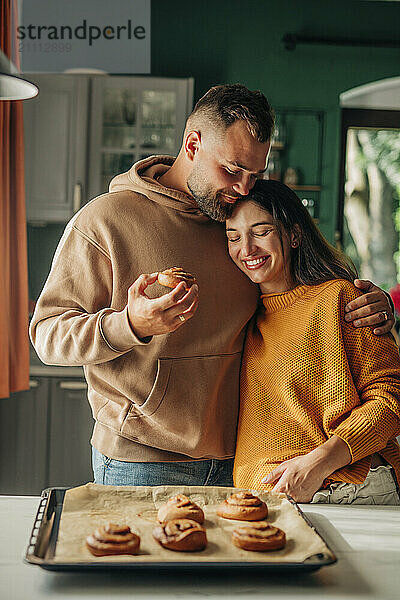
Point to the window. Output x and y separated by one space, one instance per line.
369 207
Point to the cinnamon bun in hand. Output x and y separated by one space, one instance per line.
174 276
113 539
243 506
182 535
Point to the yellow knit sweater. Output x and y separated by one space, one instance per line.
308 374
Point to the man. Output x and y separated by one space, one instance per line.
162 368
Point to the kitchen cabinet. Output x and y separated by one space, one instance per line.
55 130
71 424
132 118
23 439
81 130
45 436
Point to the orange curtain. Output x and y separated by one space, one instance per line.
14 341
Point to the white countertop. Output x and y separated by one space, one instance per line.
365 539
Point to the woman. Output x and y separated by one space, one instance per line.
320 407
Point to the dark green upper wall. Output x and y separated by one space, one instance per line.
227 41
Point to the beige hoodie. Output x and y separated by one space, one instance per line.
175 397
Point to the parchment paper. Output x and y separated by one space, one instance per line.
89 506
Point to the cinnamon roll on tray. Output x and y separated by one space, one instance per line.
259 536
243 506
113 539
181 535
180 507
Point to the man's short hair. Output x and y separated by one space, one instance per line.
222 105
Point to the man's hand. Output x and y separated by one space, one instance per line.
370 308
302 476
156 316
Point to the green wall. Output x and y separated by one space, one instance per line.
227 41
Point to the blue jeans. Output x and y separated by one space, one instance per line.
109 471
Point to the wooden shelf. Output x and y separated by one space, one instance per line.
306 188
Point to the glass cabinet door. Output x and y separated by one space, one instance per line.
113 163
120 107
133 118
158 130
119 132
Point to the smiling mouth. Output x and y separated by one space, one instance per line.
255 263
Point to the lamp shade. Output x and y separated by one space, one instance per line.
16 88
13 87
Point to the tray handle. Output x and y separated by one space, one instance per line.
34 537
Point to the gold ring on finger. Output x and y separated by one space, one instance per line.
182 318
385 315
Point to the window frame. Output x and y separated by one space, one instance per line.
362 118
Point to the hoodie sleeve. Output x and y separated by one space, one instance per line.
74 323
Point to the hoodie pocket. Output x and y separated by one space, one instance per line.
158 391
192 407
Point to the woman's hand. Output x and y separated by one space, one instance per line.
302 476
370 309
298 477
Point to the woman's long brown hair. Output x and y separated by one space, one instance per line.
314 260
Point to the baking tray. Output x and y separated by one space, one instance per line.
43 540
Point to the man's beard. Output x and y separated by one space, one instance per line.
208 199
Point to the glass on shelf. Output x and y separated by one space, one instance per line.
158 120
119 118
278 139
310 205
273 166
113 164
